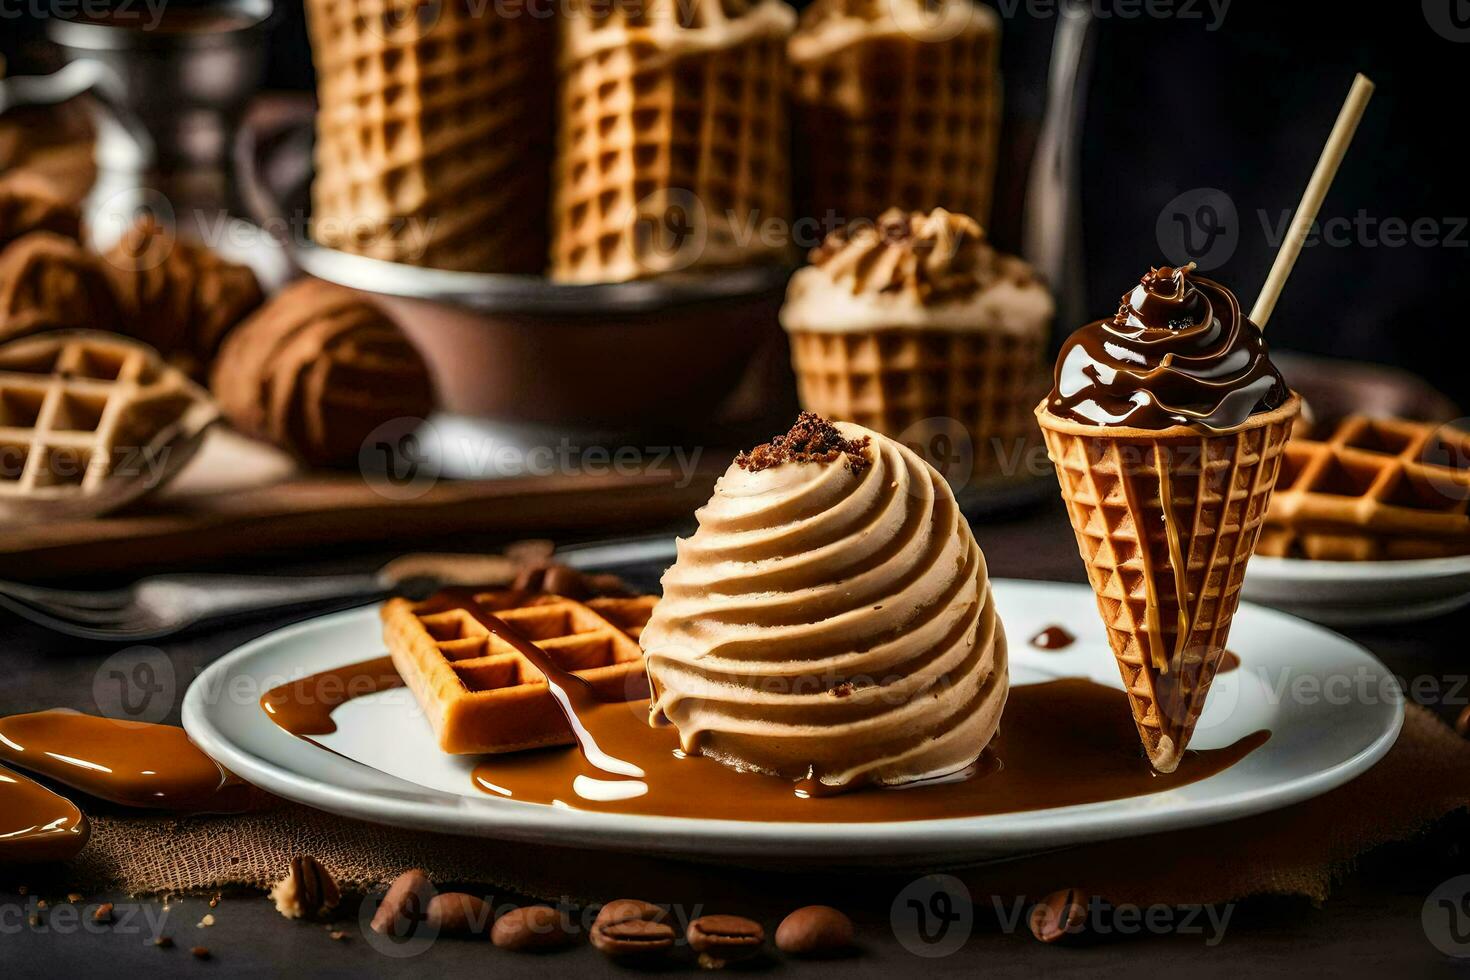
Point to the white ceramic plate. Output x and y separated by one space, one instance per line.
1355 593
1333 710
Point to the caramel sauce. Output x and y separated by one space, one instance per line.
1063 742
126 762
36 824
305 707
1229 660
1053 638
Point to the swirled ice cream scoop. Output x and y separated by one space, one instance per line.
1179 351
831 619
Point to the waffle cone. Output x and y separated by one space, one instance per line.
905 382
1167 599
672 146
895 107
433 134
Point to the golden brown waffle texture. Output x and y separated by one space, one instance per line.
672 145
482 695
896 103
1166 521
82 412
434 133
1364 489
893 380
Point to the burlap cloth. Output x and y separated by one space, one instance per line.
1298 851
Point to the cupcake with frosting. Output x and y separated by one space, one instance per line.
915 327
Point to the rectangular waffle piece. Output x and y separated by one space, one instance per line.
483 696
79 408
1365 489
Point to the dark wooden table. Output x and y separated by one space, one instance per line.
1373 923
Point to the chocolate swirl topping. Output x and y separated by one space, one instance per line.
1179 351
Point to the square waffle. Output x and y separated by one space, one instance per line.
1366 489
481 695
78 409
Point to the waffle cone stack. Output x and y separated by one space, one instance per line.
672 146
434 132
1166 521
896 103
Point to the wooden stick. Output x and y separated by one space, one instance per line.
1306 212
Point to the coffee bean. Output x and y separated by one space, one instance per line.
1462 723
458 914
632 929
721 939
1060 917
816 930
405 906
529 929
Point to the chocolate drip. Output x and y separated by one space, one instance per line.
1179 351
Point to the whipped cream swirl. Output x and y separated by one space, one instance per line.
831 622
1179 351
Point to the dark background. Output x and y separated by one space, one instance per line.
1182 101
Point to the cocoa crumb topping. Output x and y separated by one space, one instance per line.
812 439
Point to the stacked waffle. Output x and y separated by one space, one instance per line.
897 104
481 694
672 142
89 420
1371 489
433 136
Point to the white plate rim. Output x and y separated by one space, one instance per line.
991 834
1310 570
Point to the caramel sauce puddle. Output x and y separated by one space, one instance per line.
1061 743
130 763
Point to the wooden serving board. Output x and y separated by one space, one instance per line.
238 500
